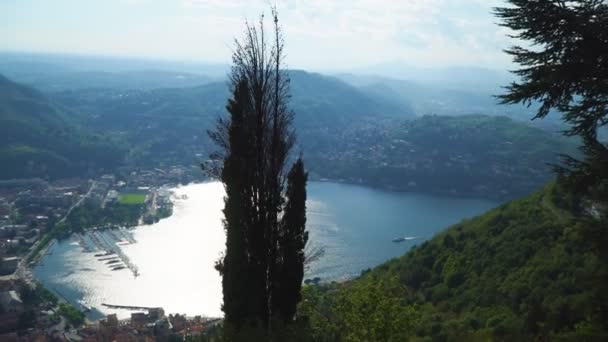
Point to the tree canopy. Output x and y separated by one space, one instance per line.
565 68
265 204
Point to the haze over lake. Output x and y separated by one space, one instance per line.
176 256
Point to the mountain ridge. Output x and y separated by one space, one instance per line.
39 139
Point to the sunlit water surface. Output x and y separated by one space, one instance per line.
175 257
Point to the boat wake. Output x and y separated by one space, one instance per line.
405 238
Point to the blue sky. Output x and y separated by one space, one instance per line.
321 34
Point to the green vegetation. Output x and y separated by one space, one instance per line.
41 139
368 309
565 72
128 199
36 295
529 269
163 211
34 299
53 232
42 244
337 125
265 203
91 215
175 117
474 155
73 315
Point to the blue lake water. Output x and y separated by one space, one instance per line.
174 258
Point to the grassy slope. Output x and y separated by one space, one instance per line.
523 270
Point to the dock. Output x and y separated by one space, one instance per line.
123 257
127 235
127 307
82 243
112 251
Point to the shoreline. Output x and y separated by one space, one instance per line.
390 188
325 279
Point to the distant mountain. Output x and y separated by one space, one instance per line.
475 79
170 124
356 134
440 98
474 155
40 139
124 80
23 66
325 98
314 97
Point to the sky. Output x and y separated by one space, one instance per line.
320 34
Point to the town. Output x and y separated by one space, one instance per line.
35 212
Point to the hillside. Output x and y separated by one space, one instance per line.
40 139
472 155
456 97
142 80
526 270
315 98
170 125
345 134
358 135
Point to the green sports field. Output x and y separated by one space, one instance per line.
132 199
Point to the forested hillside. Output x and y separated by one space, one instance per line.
472 155
169 125
530 269
344 134
40 139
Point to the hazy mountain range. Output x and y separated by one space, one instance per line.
348 125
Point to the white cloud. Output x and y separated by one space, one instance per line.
320 33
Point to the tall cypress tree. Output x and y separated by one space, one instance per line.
232 135
292 241
565 69
254 145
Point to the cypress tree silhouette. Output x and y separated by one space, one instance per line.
265 209
292 241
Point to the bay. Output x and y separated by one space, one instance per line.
175 257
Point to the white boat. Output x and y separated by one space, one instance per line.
405 238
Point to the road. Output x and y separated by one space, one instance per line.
79 202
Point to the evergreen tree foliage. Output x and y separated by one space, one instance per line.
234 265
292 241
565 69
264 211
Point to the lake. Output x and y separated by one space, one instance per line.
174 258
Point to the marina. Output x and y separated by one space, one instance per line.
108 242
